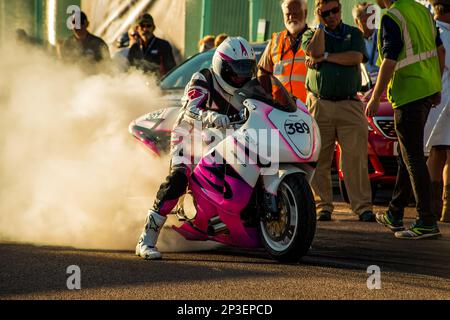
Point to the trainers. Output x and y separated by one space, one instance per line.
419 230
324 216
367 216
387 219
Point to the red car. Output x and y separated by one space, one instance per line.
382 144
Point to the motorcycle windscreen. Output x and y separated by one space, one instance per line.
268 89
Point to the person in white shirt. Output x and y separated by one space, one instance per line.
437 130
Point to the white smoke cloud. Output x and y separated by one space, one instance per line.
71 174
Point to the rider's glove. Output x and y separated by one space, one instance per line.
216 119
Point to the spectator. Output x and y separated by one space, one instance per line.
151 54
84 45
412 62
128 39
284 57
335 51
125 42
205 44
437 129
363 13
219 39
23 38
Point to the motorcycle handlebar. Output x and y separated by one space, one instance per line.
235 119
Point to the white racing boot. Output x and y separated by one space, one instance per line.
146 247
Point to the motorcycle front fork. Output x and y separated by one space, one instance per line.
271 210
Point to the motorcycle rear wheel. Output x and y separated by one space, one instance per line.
289 238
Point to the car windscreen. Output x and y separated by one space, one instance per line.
180 77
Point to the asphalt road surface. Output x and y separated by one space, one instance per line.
336 268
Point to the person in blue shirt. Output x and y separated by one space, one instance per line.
364 14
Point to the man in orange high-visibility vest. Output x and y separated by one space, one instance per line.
284 57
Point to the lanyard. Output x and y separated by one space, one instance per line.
340 36
282 50
374 48
284 42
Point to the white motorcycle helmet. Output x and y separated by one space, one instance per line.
234 64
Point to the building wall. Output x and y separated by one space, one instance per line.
17 14
193 26
32 16
240 17
62 31
182 22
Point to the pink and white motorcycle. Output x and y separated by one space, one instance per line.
244 196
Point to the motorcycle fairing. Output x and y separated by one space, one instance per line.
222 184
220 191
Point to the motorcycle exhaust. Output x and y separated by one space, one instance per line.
216 227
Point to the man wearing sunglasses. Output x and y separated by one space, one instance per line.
151 54
335 52
412 60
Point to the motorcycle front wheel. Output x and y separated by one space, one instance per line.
288 237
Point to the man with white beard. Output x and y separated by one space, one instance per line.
284 57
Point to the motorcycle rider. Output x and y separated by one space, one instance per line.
207 98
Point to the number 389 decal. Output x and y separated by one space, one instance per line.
296 127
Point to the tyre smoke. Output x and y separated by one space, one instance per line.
71 174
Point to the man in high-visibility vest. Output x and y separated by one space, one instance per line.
284 57
413 60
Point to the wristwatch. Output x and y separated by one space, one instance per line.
325 56
321 27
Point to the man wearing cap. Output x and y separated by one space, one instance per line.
82 44
151 54
412 60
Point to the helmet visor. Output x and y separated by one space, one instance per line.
238 73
